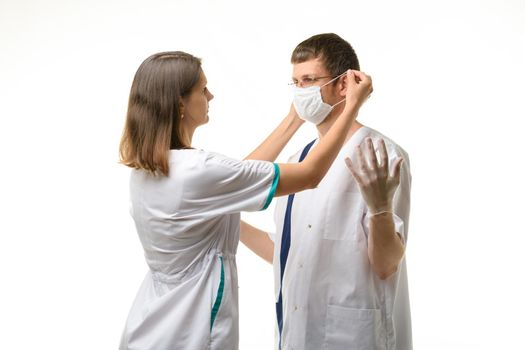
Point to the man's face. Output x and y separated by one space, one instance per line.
313 72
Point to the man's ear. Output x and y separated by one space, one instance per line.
342 85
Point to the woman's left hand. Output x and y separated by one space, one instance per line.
293 113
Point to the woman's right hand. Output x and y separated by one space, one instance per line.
308 174
358 88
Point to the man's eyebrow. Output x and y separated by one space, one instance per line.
305 76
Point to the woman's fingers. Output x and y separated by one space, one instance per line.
361 77
359 84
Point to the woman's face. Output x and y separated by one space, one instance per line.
195 105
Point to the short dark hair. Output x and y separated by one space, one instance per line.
153 119
336 53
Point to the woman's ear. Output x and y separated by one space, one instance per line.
181 110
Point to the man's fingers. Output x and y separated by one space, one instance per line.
396 169
383 154
371 154
362 161
350 166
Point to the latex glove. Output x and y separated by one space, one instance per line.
376 184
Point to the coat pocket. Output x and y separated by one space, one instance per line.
344 212
353 329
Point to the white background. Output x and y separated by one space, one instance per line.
448 87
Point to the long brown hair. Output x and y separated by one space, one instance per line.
153 120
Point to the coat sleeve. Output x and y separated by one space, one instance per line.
224 185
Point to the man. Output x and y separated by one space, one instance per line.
338 254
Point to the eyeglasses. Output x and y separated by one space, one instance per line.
307 81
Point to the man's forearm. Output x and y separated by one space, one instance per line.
385 247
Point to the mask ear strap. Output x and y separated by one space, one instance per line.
337 77
343 100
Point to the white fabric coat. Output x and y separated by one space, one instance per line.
188 224
332 299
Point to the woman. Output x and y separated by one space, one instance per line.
186 202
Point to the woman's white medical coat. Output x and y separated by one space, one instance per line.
188 224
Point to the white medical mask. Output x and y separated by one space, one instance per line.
309 103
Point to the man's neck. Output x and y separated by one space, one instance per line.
323 127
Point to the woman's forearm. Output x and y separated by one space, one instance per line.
296 177
309 173
270 148
257 241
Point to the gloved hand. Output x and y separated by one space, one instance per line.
376 184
